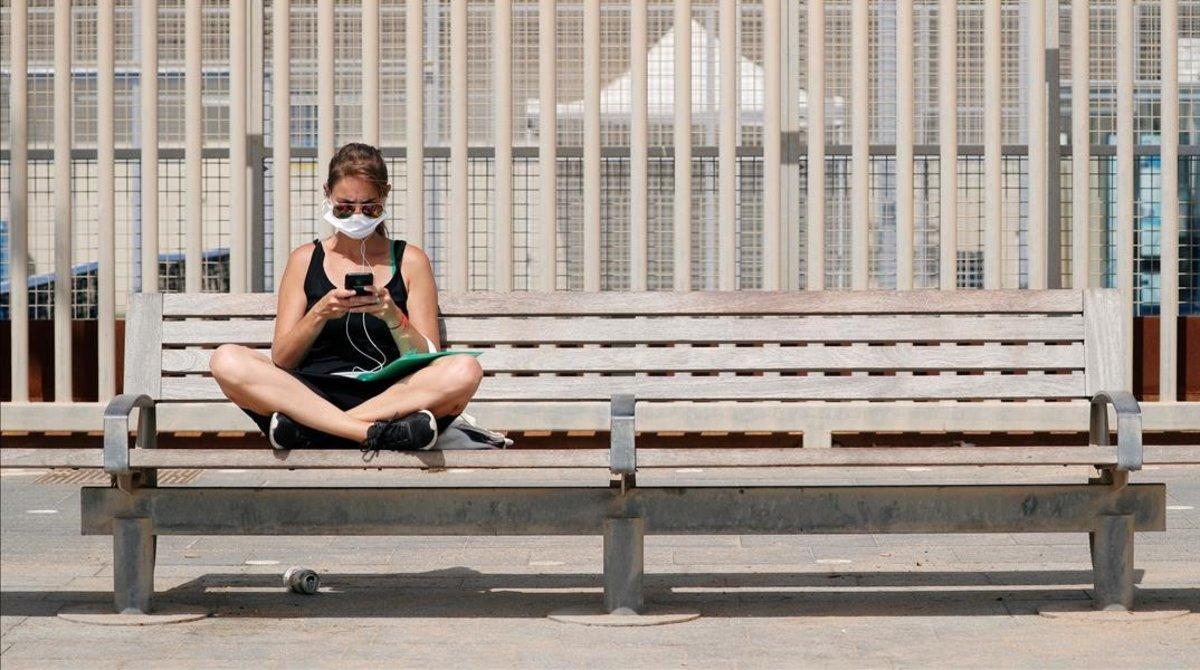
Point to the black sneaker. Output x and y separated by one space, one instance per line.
416 432
285 433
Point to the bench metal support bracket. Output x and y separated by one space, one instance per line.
1129 427
116 430
622 447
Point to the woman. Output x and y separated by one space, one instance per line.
321 329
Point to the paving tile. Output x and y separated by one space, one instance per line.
944 540
808 541
1025 554
767 601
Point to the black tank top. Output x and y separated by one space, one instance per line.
331 351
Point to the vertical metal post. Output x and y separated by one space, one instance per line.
624 555
458 256
728 141
638 148
1112 562
948 144
993 162
106 252
683 146
414 86
1169 237
1081 221
1054 153
133 565
547 144
63 233
326 131
193 143
774 260
370 72
905 195
281 136
1038 160
860 139
239 85
1125 173
591 145
18 295
254 225
790 212
816 145
148 81
502 270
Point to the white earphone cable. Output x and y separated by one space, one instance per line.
379 362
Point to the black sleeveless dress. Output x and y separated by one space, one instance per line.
368 339
333 352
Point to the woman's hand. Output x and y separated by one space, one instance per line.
383 307
340 301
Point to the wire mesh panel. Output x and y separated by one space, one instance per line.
971 216
1189 234
882 223
704 51
926 181
614 225
481 234
525 208
749 237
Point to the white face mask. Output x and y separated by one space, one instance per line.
357 226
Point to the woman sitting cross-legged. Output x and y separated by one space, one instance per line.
321 329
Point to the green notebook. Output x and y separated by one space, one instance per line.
406 364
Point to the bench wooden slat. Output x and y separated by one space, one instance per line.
603 330
675 416
930 387
698 302
598 458
705 359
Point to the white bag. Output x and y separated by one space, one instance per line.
464 434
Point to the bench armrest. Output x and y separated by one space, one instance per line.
622 458
116 430
1129 427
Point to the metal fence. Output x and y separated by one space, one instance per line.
553 145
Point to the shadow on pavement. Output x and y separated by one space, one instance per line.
466 593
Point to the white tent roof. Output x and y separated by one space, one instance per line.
615 98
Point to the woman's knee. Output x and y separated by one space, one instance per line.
231 363
462 373
456 376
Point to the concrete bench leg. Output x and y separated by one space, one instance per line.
624 551
133 565
1112 561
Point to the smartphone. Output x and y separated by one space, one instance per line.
359 282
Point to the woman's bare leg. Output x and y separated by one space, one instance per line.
444 388
252 381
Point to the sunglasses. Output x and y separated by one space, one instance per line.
346 210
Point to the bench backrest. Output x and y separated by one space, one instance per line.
705 346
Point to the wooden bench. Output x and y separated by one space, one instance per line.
740 362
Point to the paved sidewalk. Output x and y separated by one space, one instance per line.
766 601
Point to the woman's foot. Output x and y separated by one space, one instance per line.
287 434
416 432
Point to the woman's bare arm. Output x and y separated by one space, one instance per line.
422 300
295 326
